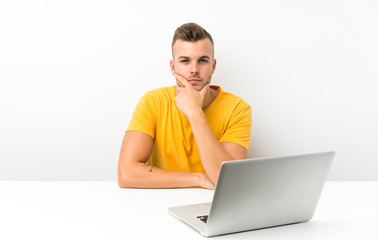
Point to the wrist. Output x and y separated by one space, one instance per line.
195 114
204 181
200 179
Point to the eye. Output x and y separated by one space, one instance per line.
203 61
184 61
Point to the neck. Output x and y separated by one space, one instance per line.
210 97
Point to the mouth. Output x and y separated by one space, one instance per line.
194 80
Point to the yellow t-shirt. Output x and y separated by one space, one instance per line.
175 148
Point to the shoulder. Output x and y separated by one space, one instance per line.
161 91
159 94
231 100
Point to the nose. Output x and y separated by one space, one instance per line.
194 68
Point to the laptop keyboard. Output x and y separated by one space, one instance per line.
203 218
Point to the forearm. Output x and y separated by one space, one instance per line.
138 175
211 152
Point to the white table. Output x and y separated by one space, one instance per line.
102 210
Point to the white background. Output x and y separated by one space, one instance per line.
71 73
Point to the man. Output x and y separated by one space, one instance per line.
180 135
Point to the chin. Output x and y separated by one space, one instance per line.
198 88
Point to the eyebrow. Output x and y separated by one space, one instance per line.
185 57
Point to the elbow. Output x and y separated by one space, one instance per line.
121 182
125 180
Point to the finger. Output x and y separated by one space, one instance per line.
182 80
205 89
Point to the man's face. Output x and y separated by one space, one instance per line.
194 61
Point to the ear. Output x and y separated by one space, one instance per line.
214 64
172 64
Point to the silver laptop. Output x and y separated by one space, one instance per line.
259 193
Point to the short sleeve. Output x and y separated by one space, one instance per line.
144 117
239 127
